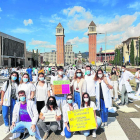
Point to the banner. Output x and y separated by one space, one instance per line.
82 119
61 87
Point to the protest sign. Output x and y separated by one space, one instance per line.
49 117
61 87
82 119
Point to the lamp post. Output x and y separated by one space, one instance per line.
137 47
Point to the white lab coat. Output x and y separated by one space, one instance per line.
106 94
124 80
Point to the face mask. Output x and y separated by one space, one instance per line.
14 78
69 101
100 75
51 102
78 74
86 99
122 69
25 80
22 98
60 72
87 72
41 78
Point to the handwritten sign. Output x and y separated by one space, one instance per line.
49 117
61 87
82 119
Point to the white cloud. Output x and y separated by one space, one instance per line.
43 44
135 5
0 10
28 22
21 30
77 40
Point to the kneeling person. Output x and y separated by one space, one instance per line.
25 116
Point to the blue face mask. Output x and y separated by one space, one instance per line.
41 78
22 98
25 80
78 74
88 72
14 78
69 101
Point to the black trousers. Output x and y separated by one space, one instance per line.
40 105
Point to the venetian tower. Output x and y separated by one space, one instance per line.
60 45
92 42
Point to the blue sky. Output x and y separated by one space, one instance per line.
35 21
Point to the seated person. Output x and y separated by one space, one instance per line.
69 106
51 106
25 116
87 103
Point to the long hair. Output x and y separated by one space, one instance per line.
75 76
21 81
96 75
17 80
83 102
55 104
112 73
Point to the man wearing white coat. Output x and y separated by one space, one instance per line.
124 85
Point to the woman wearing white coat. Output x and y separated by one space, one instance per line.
103 97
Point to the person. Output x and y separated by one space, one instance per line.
69 106
33 69
9 97
71 73
41 70
85 104
50 107
49 70
103 97
114 79
124 85
6 72
36 72
90 83
19 72
79 86
25 116
42 92
26 85
29 71
137 77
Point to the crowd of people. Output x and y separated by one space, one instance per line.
27 96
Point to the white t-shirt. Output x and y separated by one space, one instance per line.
92 104
136 74
42 92
28 88
90 85
35 78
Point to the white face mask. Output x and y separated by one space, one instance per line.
122 69
86 99
60 72
100 75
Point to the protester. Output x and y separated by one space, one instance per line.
85 104
71 73
124 85
6 73
90 83
25 116
69 106
41 70
42 92
137 77
79 86
29 71
27 86
8 98
103 97
50 107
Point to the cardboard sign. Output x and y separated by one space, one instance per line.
61 87
82 119
49 117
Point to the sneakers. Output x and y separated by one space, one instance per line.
106 124
62 133
103 124
45 136
94 134
120 104
6 129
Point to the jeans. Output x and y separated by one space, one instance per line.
77 98
20 128
5 112
5 75
124 95
30 75
103 111
87 132
67 133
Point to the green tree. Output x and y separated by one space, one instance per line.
132 52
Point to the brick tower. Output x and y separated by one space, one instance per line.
92 42
60 45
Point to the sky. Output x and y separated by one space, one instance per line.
35 21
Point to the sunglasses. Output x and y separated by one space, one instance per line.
69 99
78 72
